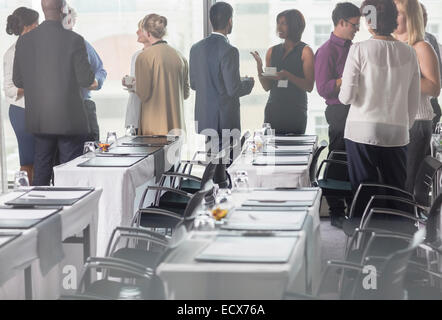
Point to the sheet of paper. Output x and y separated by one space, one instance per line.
267 220
306 149
249 249
297 195
55 195
285 159
297 138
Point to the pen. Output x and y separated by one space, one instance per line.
36 196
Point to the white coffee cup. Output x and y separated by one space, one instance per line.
271 71
129 81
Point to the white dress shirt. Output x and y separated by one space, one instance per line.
381 81
133 113
8 85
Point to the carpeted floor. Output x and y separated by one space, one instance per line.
332 248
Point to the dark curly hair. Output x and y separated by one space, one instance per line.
296 24
19 19
386 15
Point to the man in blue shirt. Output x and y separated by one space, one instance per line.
100 76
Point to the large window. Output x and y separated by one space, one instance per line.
110 25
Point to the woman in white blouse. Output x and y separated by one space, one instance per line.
20 22
412 31
381 81
133 113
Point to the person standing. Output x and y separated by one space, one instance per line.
431 39
51 65
100 77
133 112
411 30
215 77
383 108
286 108
162 81
329 65
22 21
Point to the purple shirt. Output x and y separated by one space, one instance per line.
329 65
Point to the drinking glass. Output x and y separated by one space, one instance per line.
21 180
131 131
241 181
89 149
111 138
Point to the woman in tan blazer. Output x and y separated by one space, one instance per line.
162 81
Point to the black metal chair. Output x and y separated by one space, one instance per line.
390 275
137 282
178 200
314 164
157 217
331 185
421 199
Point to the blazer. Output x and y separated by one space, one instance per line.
51 65
214 75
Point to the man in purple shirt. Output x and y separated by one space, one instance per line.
329 65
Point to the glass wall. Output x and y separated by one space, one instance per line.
110 26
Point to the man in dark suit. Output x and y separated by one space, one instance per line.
51 65
214 75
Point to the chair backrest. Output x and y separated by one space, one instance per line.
209 172
433 222
394 269
366 191
335 171
424 180
313 166
196 200
244 138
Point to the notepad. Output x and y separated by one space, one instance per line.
289 149
266 220
281 161
111 162
129 151
248 249
296 198
24 218
50 196
152 141
296 138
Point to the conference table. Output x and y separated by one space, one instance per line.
190 272
122 186
271 176
35 261
276 170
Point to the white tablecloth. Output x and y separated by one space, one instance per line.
186 278
22 252
117 204
271 176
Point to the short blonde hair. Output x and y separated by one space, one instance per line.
415 20
155 25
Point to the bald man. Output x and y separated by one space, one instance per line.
51 64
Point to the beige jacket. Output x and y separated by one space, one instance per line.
162 84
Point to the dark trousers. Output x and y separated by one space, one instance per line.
336 116
47 148
93 121
374 164
221 176
420 139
